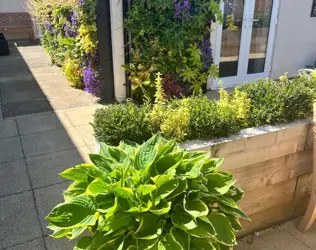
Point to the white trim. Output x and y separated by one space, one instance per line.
117 32
245 44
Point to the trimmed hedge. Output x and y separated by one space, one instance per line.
253 104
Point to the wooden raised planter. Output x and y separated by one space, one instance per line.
273 165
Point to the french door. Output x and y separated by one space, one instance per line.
244 42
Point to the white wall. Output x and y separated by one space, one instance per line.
295 44
12 5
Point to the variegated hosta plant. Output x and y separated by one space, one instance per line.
149 196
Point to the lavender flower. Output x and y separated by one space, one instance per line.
69 30
81 1
74 18
49 27
207 52
182 7
91 79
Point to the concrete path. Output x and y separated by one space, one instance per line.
29 84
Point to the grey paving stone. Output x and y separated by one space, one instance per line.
46 199
1 115
18 86
10 149
82 116
8 128
86 133
271 239
59 244
22 96
14 178
44 169
38 123
37 244
25 108
50 141
18 220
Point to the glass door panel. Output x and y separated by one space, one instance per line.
259 36
231 37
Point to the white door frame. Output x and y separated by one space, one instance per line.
245 43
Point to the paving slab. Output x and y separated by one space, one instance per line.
1 115
308 238
46 199
50 141
44 169
82 116
86 133
14 178
37 244
13 86
22 96
271 239
18 220
41 122
8 128
25 108
59 244
10 149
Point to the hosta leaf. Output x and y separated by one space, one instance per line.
169 161
169 242
59 233
79 211
181 237
117 221
98 186
145 189
223 229
125 197
118 154
236 211
166 184
196 208
166 148
183 221
105 201
218 184
105 242
75 174
201 244
129 241
204 229
147 153
162 208
75 189
102 163
183 185
145 244
76 232
141 208
236 194
148 227
83 243
129 147
234 222
211 165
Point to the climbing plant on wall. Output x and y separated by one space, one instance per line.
171 37
70 38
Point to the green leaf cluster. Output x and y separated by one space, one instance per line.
149 196
168 42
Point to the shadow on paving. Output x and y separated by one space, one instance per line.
20 93
37 142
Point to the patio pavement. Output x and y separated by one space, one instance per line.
45 129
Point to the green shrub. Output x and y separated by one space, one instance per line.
153 196
279 102
122 122
197 117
